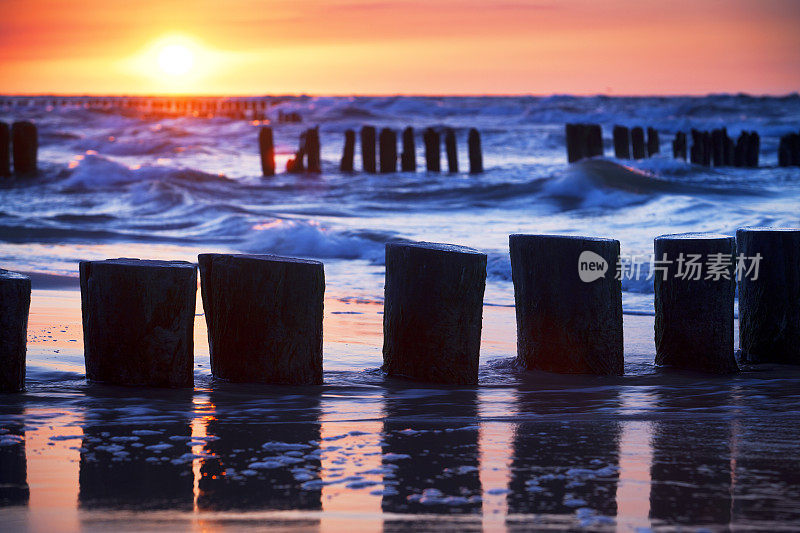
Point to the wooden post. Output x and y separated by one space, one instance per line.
25 147
348 152
433 306
740 152
296 164
784 152
594 140
568 304
138 320
368 149
388 154
694 307
637 142
753 150
769 296
313 150
264 316
679 146
267 147
451 150
622 142
433 150
15 302
408 159
475 153
574 136
5 150
718 148
653 143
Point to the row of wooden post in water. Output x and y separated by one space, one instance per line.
714 148
378 151
264 313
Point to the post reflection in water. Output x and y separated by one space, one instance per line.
565 451
430 454
134 452
261 451
14 488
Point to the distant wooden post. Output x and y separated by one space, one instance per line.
574 136
348 152
637 143
475 153
694 307
388 150
5 150
368 149
433 306
313 150
740 152
433 150
622 142
653 143
267 147
451 149
718 147
408 159
753 150
25 147
264 316
15 302
679 146
138 321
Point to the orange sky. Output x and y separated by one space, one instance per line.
403 46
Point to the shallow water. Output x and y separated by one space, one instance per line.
524 450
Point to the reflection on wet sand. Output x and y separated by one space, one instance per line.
14 488
430 455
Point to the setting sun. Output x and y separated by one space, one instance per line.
175 59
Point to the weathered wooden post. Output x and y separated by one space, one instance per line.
408 159
622 142
679 146
138 319
694 305
5 150
717 148
348 153
475 153
296 164
264 316
451 150
433 305
368 149
568 304
784 152
25 147
267 147
574 136
653 143
433 150
594 140
637 142
313 150
769 294
753 150
739 156
388 150
15 302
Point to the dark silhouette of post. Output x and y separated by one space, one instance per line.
753 150
433 150
653 143
694 305
15 302
451 150
313 150
740 152
637 143
296 164
388 150
718 147
346 165
574 136
679 146
267 147
475 152
368 149
408 159
5 150
622 142
594 140
25 142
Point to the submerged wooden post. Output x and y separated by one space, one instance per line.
475 153
574 136
408 159
313 150
24 138
653 143
368 149
622 142
388 153
568 304
433 150
433 305
138 320
15 302
348 153
694 305
5 150
769 294
267 148
679 146
451 150
637 142
264 316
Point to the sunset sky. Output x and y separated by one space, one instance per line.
399 46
